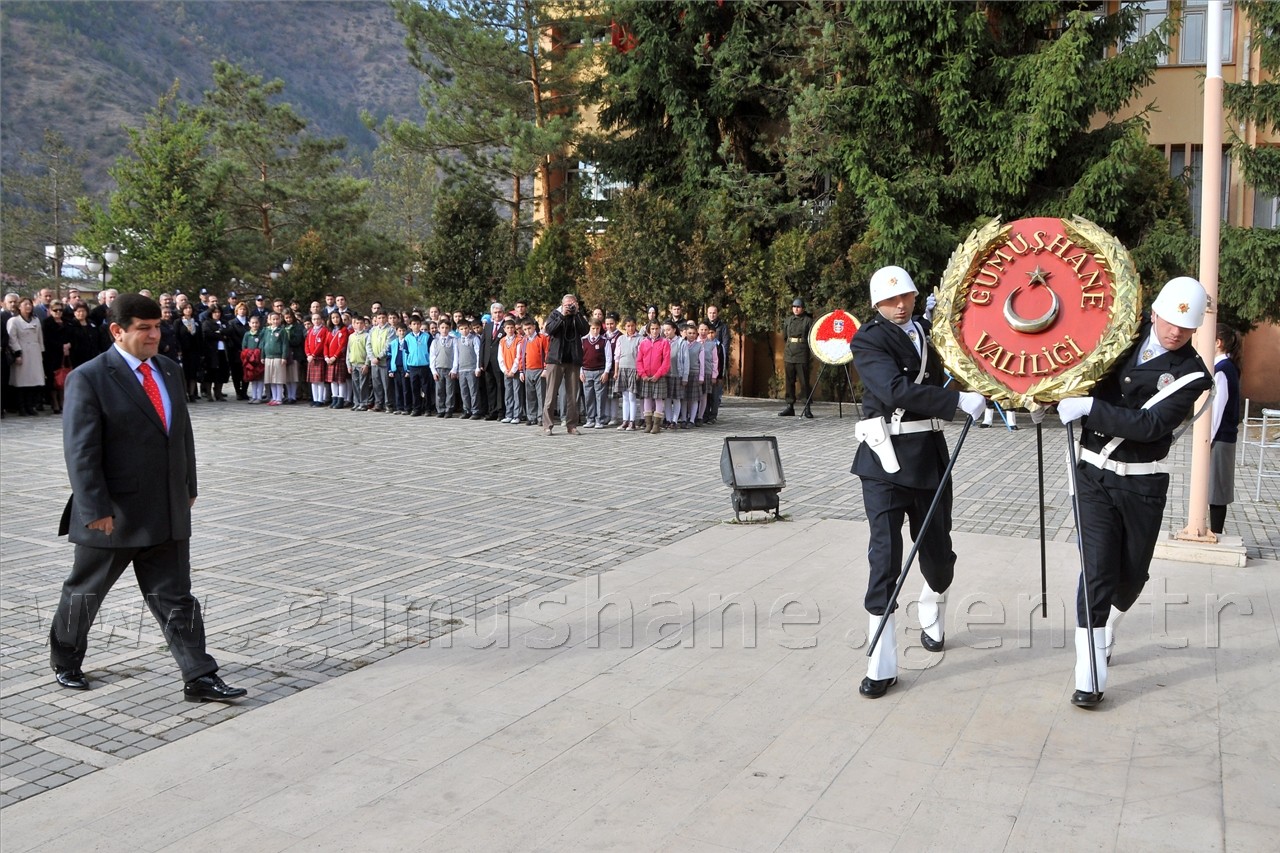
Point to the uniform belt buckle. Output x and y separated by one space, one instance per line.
1121 468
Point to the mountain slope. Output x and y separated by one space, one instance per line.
89 69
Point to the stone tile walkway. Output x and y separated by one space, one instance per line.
327 541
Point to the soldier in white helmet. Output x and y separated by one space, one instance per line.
900 460
1127 427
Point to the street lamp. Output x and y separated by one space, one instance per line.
288 264
110 255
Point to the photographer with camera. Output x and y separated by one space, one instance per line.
565 327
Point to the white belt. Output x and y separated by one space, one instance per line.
904 427
1124 469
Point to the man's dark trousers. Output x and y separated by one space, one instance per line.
164 576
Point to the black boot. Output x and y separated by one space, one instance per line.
808 413
788 412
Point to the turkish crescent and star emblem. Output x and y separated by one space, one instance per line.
1037 310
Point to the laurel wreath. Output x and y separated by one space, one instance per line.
1122 324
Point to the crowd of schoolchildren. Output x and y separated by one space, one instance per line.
418 365
650 375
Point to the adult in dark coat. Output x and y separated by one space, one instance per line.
57 347
721 330
217 364
564 328
85 339
190 350
489 345
1127 426
904 403
131 459
237 322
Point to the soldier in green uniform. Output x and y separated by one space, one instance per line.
795 356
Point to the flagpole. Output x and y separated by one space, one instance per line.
1197 529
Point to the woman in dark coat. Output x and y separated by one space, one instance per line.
190 349
217 369
84 337
57 344
168 335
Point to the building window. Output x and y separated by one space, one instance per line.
1193 177
1193 33
1266 210
594 184
1154 13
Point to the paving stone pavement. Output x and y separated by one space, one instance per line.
328 540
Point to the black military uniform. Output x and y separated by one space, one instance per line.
888 364
1122 498
795 357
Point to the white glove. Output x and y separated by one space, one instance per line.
1074 408
930 303
972 404
1037 415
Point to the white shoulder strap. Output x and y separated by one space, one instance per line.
1163 394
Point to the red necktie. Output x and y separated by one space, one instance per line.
153 392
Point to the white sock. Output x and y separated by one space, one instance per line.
1084 678
883 662
933 612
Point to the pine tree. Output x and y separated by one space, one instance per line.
939 115
162 215
275 181
502 89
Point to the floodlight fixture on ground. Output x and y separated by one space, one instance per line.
752 467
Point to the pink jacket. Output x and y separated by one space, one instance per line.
654 358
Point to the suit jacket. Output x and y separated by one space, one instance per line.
887 364
489 347
120 460
1148 433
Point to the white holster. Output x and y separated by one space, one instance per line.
875 434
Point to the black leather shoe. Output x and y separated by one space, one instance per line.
1085 699
984 426
72 679
930 644
788 412
211 688
874 689
808 414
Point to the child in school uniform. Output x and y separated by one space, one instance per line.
653 363
597 360
678 376
611 332
275 351
467 370
694 384
510 354
626 349
335 359
398 371
535 361
251 360
314 345
711 368
444 361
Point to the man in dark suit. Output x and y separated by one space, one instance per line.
489 344
1127 429
131 460
900 460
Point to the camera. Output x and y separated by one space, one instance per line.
571 308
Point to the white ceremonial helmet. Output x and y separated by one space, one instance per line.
1182 302
888 282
